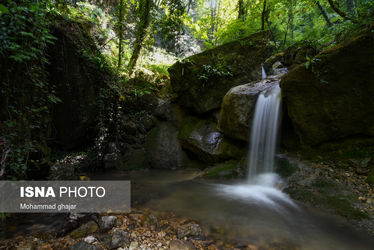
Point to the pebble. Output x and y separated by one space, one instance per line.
89 239
133 245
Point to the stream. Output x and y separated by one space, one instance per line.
234 212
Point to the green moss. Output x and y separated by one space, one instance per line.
188 126
285 168
322 183
223 171
321 196
343 205
370 178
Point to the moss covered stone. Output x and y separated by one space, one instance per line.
226 170
331 98
202 80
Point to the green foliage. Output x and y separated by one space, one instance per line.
26 94
211 72
310 62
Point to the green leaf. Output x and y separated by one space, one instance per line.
3 9
54 99
307 64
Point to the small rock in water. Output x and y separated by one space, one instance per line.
107 222
181 245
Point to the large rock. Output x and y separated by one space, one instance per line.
206 143
78 80
202 80
163 148
332 99
237 108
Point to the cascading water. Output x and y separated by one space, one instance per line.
264 134
263 183
263 73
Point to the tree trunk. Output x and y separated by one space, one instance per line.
263 16
145 9
120 34
323 12
241 10
340 12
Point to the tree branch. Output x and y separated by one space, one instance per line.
341 13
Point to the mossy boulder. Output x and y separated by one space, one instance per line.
237 108
201 81
202 139
331 98
163 148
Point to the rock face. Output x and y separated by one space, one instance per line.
238 106
78 81
206 143
202 80
163 148
332 99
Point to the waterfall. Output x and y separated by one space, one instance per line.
264 136
263 72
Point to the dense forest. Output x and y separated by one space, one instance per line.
121 88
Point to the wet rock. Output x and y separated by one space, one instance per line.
84 230
181 245
200 89
238 107
107 222
226 170
163 148
205 142
189 230
331 100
